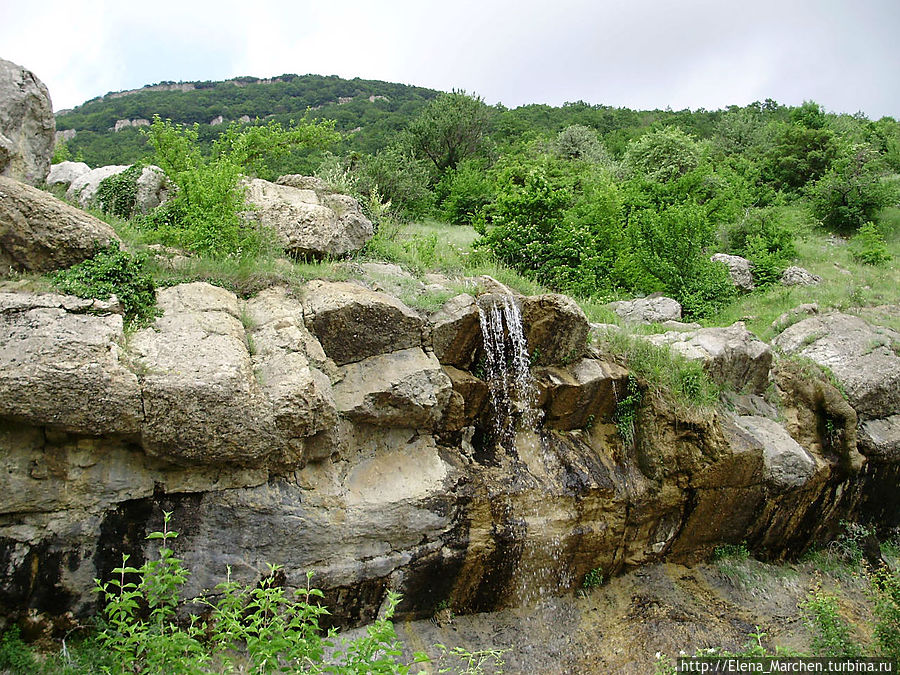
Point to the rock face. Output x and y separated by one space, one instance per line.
862 357
65 173
84 188
330 427
27 125
648 310
740 269
309 223
39 233
732 356
797 276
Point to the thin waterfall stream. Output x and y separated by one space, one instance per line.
540 571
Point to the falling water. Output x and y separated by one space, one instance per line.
507 368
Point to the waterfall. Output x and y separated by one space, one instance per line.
507 368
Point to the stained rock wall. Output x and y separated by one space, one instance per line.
335 429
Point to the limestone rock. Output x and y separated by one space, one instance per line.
153 189
27 125
302 182
65 173
794 315
581 394
732 356
456 331
861 356
797 276
880 439
406 388
740 269
202 402
40 233
300 393
307 224
556 328
467 400
84 188
63 369
648 310
353 323
785 463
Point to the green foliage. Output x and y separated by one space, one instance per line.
662 155
852 191
800 151
117 194
451 128
832 636
848 545
399 178
885 590
578 142
627 410
467 190
205 214
869 247
731 552
61 153
593 579
112 271
15 654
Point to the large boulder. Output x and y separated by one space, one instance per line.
732 356
153 188
66 173
62 366
27 125
880 439
456 331
309 224
287 361
40 233
202 401
798 276
354 323
556 329
581 394
786 464
84 188
739 269
653 309
862 357
406 388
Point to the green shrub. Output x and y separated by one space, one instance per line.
627 409
117 194
885 587
831 632
593 579
869 247
663 154
731 552
112 271
468 190
764 241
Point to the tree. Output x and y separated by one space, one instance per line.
852 192
663 155
451 128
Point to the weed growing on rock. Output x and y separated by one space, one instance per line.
831 632
626 410
593 579
112 271
117 194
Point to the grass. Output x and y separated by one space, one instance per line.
846 284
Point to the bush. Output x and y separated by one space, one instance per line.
868 246
205 214
112 271
662 155
885 587
117 194
468 190
831 632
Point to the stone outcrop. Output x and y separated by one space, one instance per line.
40 233
84 188
27 125
732 356
653 309
739 269
862 357
65 173
309 223
330 427
797 276
153 189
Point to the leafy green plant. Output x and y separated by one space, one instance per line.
731 552
869 247
593 579
112 271
885 590
831 632
627 409
117 194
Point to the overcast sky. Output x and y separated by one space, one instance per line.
641 54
